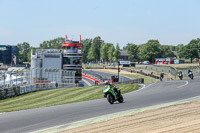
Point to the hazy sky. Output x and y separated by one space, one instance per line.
172 22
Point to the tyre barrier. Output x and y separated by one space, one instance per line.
9 92
20 90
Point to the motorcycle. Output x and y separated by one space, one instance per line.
191 75
112 94
180 75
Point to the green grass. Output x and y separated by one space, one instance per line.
57 96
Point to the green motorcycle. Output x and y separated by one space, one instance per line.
112 94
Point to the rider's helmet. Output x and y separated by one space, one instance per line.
106 82
189 70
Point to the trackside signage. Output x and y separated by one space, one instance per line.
125 62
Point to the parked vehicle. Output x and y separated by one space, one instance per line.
146 62
112 95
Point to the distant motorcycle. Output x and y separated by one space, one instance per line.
112 95
180 75
191 75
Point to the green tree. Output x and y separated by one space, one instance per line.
117 53
191 50
53 44
127 46
181 51
150 50
24 49
166 51
107 52
86 46
111 50
133 50
104 52
97 45
91 54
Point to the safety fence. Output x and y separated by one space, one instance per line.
19 90
98 76
171 70
159 69
194 69
21 77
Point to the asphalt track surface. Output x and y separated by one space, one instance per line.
151 94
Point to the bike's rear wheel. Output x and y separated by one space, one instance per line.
121 99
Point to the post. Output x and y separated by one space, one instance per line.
4 77
16 76
118 71
11 76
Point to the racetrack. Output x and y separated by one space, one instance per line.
184 118
152 94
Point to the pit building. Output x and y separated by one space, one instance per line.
57 65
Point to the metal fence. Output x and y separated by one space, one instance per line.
20 81
173 71
21 77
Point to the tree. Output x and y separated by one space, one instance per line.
111 50
181 51
91 54
24 49
117 53
150 50
133 50
127 46
190 51
107 52
97 45
104 52
53 44
166 51
86 46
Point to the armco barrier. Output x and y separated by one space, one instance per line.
134 81
19 90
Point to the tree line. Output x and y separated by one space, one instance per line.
153 49
96 50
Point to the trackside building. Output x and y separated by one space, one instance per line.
57 65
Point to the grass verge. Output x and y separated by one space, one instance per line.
57 97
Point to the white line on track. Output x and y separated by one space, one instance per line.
186 83
151 84
88 83
143 86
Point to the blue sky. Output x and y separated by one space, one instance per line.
171 22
